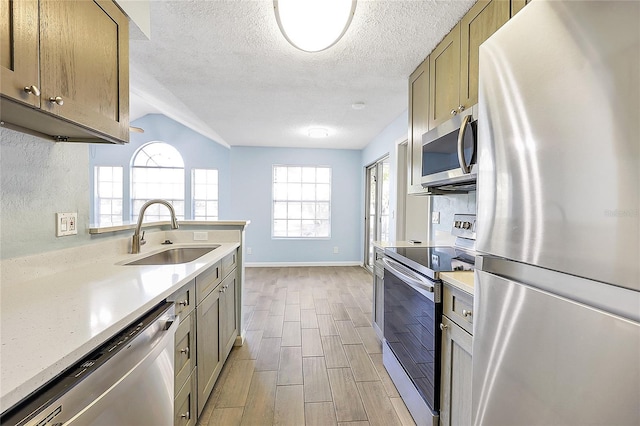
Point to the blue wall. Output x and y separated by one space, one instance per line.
386 143
251 172
197 152
245 175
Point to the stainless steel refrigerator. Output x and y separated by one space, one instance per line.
557 302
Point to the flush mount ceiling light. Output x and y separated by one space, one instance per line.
314 25
318 132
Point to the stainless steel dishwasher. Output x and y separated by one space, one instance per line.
127 381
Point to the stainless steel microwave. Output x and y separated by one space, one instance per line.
449 154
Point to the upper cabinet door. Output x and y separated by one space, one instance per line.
418 123
444 69
517 5
84 62
19 51
482 20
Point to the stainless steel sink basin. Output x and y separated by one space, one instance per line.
174 256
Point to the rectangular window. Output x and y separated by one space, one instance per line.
301 202
107 195
165 183
204 198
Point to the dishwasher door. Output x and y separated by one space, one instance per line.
127 381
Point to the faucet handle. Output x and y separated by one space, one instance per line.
142 240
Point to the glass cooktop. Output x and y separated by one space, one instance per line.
432 260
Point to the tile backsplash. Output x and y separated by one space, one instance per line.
448 205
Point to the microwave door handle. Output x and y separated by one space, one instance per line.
463 129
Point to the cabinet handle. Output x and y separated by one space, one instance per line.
185 351
454 112
443 327
57 100
185 302
466 313
32 90
460 108
186 415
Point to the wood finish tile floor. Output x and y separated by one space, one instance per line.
310 356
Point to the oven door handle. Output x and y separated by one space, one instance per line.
408 276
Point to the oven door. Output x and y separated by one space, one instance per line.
412 314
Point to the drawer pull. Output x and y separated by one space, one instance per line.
185 302
443 327
185 351
186 415
466 313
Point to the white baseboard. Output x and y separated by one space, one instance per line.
294 264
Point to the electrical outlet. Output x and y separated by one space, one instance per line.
435 217
336 250
66 224
249 250
200 236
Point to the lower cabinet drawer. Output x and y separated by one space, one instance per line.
185 404
228 263
207 281
458 305
185 299
184 356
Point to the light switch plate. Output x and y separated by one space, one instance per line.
435 217
66 224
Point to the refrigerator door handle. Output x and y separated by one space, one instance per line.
463 129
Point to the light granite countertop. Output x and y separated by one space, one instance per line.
49 322
463 280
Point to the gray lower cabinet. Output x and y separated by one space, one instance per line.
378 292
455 381
208 328
228 326
208 345
216 325
185 403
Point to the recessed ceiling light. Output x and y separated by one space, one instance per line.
313 25
358 105
318 132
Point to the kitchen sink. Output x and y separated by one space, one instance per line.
174 256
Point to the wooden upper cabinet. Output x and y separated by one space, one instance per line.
85 61
444 69
19 51
517 5
482 20
418 123
65 69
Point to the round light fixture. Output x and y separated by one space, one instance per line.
314 25
318 132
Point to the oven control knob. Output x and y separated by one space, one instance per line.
466 225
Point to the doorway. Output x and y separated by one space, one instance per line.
376 207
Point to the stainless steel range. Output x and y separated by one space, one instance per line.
412 316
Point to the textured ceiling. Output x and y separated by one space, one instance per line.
224 69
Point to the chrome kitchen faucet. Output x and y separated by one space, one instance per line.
137 241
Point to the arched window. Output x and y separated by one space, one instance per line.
157 171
